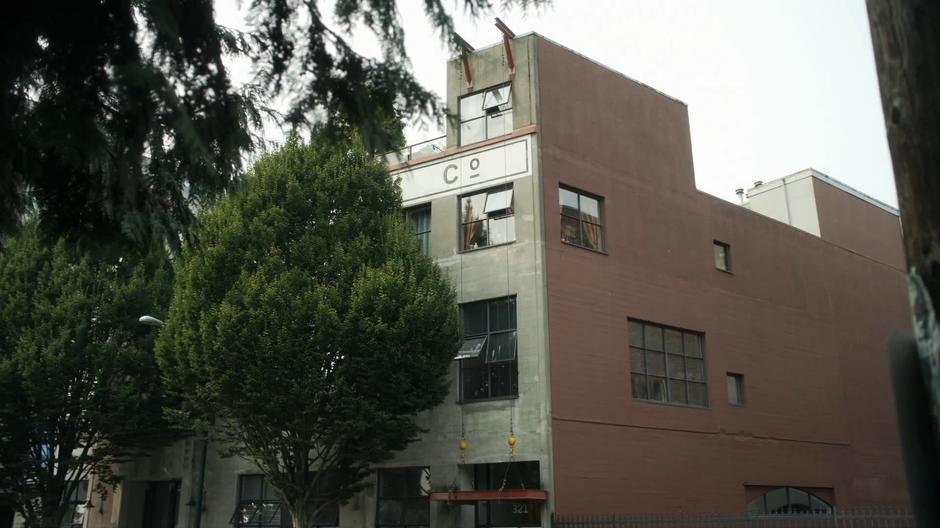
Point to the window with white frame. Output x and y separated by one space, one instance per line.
487 218
488 365
486 114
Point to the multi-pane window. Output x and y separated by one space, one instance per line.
581 219
722 256
511 475
667 364
488 365
404 498
788 501
486 218
260 505
75 516
735 389
486 114
419 219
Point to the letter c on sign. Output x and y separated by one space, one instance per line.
448 179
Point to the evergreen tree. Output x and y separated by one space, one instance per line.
308 323
79 386
116 117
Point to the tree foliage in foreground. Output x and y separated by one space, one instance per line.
79 384
116 117
309 324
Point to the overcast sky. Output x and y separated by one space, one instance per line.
772 87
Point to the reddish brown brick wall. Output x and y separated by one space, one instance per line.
858 225
804 320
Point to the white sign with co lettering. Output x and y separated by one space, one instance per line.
468 171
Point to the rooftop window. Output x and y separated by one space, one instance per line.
486 114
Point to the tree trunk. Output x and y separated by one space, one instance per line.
906 39
300 515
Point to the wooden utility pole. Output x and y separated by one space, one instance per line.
906 39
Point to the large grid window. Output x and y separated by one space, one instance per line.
260 505
788 501
667 364
404 498
581 219
75 516
486 218
511 475
488 366
486 114
419 219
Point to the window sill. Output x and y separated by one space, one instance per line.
738 405
473 250
729 272
498 398
592 250
673 404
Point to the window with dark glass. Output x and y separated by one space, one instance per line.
667 364
78 500
581 219
161 504
404 498
722 256
260 505
419 219
488 365
486 218
508 475
788 501
486 114
735 389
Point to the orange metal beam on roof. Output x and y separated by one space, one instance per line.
508 35
470 497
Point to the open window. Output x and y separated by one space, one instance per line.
486 114
487 218
489 366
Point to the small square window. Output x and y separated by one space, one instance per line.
736 389
722 256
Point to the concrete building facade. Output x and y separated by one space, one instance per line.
649 347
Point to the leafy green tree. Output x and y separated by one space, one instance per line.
308 323
116 117
79 385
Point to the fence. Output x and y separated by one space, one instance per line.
874 518
418 150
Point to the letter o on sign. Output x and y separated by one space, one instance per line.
474 164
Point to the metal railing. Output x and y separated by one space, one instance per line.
867 518
416 151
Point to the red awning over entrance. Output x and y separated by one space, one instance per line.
470 497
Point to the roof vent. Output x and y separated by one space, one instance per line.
740 193
758 183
